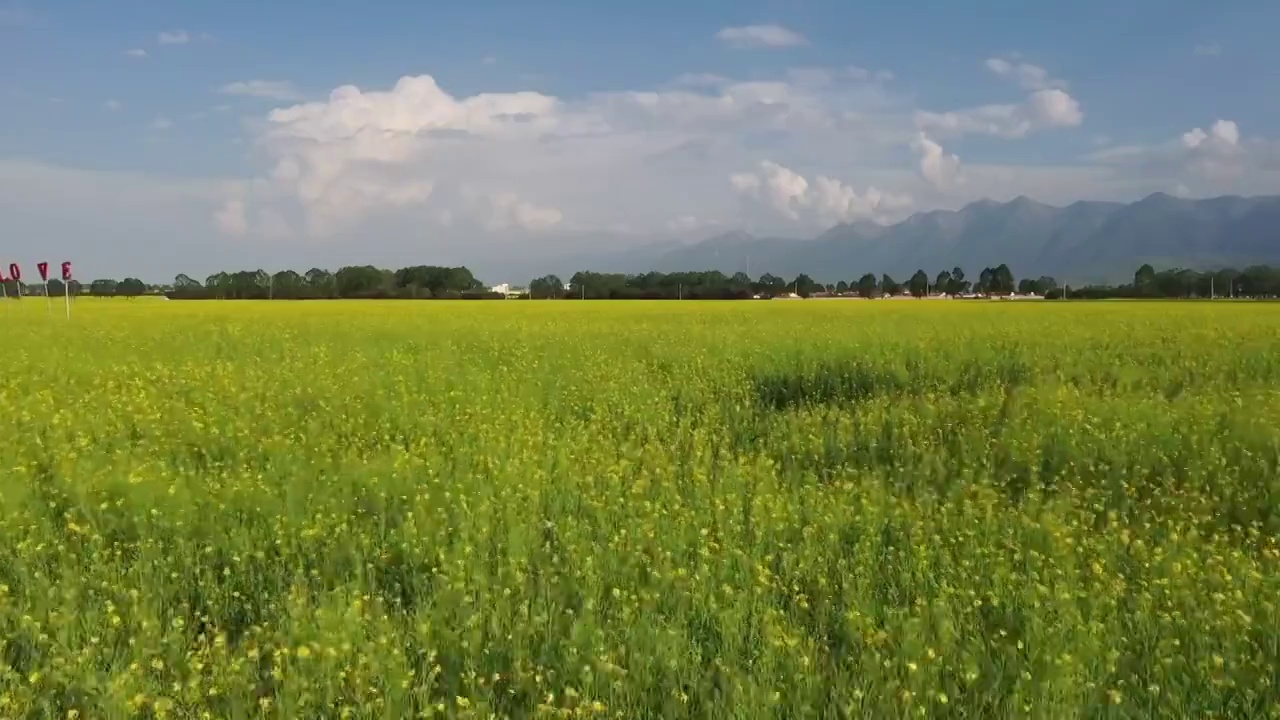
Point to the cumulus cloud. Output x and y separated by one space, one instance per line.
1214 161
1207 50
826 200
1214 151
230 218
1043 109
939 168
533 161
112 105
173 37
1223 134
1047 106
1026 75
359 152
161 123
506 210
412 171
760 36
136 53
701 80
272 89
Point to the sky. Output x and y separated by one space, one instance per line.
146 139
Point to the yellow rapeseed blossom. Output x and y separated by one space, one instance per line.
571 510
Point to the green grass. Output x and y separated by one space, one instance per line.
633 510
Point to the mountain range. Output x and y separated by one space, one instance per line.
1083 242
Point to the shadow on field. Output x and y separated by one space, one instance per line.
839 381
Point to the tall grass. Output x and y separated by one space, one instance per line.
749 510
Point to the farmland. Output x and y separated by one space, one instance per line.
560 509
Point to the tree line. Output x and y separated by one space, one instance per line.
357 281
430 281
713 284
1255 281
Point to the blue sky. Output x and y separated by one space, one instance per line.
145 138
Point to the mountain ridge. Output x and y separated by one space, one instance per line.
1085 241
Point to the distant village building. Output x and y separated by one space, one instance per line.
507 290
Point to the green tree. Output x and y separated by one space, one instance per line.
184 282
770 285
888 285
867 286
804 286
918 285
358 281
219 284
986 280
942 283
547 286
104 287
1002 280
842 287
321 283
958 285
287 285
131 287
1144 281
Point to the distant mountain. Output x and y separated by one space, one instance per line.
1083 242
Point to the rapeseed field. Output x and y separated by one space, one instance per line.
640 510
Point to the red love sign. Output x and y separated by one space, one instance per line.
15 272
43 268
66 272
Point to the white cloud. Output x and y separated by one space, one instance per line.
940 169
505 210
112 105
413 171
1046 106
230 218
542 161
161 123
701 80
489 60
272 89
136 52
826 201
686 224
1207 50
173 37
1027 76
357 152
1214 161
760 36
1043 109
